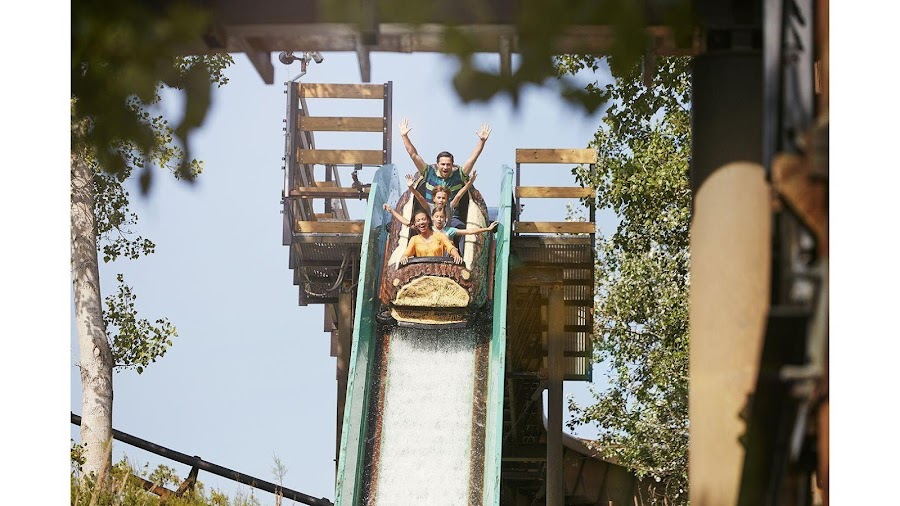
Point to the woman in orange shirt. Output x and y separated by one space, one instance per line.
429 243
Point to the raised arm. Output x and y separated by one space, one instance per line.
483 133
470 231
413 153
410 182
399 217
462 191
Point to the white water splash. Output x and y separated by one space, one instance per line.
426 438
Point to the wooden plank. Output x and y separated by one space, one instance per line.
341 156
556 343
341 124
555 227
344 239
324 215
535 276
576 242
320 90
262 62
556 155
330 227
554 192
325 193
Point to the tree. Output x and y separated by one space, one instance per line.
641 318
122 55
121 52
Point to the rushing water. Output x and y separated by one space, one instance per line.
426 433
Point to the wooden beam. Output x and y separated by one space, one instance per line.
535 276
330 227
505 55
344 342
555 227
524 453
262 62
539 241
149 486
554 192
353 240
556 367
556 155
319 90
572 328
362 54
341 124
329 193
274 30
341 156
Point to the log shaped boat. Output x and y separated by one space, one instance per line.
434 290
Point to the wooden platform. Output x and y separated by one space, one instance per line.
324 241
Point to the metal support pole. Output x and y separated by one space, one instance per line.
344 342
730 266
556 487
388 119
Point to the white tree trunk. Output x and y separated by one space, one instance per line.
95 357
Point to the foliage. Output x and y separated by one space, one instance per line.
642 271
279 470
122 54
124 490
538 25
76 455
122 57
164 476
135 342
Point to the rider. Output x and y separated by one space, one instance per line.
429 243
444 172
439 220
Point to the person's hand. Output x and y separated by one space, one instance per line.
403 260
410 180
457 259
386 206
472 176
483 133
493 225
404 127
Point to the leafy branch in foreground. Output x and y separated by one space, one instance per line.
122 54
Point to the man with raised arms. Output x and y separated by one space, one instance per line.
444 173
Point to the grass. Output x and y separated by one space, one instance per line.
125 486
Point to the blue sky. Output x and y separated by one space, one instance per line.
250 374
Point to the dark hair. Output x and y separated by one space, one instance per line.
443 154
430 223
439 209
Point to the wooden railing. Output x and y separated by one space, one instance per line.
302 155
555 156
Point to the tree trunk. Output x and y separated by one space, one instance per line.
95 356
